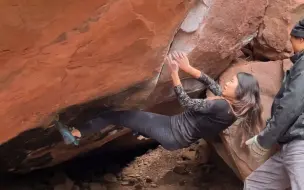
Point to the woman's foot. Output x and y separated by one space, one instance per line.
76 133
66 134
140 136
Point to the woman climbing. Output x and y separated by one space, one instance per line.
202 118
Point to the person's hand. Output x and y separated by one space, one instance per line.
257 151
172 64
182 60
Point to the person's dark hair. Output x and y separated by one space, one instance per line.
247 106
298 30
299 38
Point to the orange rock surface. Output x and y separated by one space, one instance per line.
55 54
78 57
272 41
236 154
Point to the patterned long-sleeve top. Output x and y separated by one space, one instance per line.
197 104
202 118
213 86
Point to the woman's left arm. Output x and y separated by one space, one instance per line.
213 86
201 105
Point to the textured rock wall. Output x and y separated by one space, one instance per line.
57 54
233 151
211 34
60 53
271 43
273 37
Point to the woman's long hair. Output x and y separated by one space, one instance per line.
247 105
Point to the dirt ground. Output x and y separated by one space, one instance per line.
161 169
145 166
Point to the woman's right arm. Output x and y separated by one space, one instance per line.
184 64
200 105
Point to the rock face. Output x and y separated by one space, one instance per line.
75 58
212 34
269 75
272 41
52 59
58 54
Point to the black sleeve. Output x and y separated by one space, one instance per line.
213 86
287 111
201 105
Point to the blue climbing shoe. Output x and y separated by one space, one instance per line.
66 134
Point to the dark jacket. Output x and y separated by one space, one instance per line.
287 111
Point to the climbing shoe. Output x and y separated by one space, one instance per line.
66 134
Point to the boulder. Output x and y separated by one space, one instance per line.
78 58
272 41
73 58
212 35
232 148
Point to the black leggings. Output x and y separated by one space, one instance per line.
155 126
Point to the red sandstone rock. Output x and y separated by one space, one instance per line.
70 53
212 35
59 56
272 41
56 54
269 75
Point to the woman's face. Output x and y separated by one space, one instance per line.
297 44
230 88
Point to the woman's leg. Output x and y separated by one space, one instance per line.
155 126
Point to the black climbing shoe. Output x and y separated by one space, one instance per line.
66 134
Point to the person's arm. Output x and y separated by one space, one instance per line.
213 86
290 107
184 64
201 105
175 79
185 101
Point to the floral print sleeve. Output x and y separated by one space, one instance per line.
201 105
213 86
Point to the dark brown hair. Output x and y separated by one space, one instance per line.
247 106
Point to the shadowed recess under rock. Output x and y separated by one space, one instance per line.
37 147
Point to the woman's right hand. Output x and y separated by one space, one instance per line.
173 67
182 60
172 64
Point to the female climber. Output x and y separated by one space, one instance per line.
202 118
